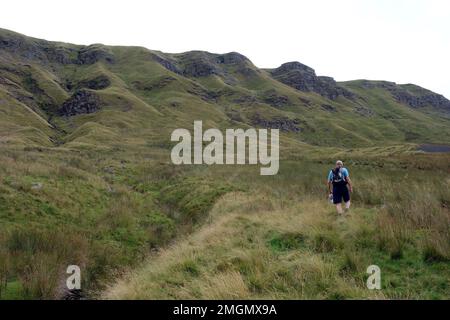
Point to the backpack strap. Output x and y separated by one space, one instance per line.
336 178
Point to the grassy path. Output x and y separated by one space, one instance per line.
254 246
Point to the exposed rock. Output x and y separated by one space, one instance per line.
97 83
428 99
305 101
199 69
274 99
199 64
304 78
5 80
282 123
21 46
411 95
327 86
31 85
31 94
166 63
244 65
202 64
51 52
59 54
329 108
296 75
22 96
363 111
94 53
81 102
232 58
245 99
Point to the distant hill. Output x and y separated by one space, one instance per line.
55 93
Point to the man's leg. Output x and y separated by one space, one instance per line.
337 199
346 197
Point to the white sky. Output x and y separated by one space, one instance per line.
406 41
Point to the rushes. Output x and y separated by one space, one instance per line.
419 219
280 239
209 232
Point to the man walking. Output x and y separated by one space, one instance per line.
339 179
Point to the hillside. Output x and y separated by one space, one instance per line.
64 92
86 178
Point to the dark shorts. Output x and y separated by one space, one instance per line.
339 192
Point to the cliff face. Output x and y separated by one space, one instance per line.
304 78
46 52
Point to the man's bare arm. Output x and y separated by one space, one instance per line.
329 187
350 186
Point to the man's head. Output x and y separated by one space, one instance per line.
339 164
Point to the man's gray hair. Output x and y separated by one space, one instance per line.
339 162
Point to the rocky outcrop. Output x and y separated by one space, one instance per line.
94 53
296 75
81 102
97 83
51 52
419 101
245 99
59 54
199 68
272 98
364 111
198 64
241 64
83 56
327 87
282 123
328 107
21 46
166 63
232 58
411 95
202 64
304 78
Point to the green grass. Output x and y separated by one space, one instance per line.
281 239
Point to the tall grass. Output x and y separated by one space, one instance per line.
279 238
239 234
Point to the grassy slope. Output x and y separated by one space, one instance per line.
148 108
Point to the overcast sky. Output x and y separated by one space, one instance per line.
396 40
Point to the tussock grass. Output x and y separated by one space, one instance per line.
206 232
281 240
